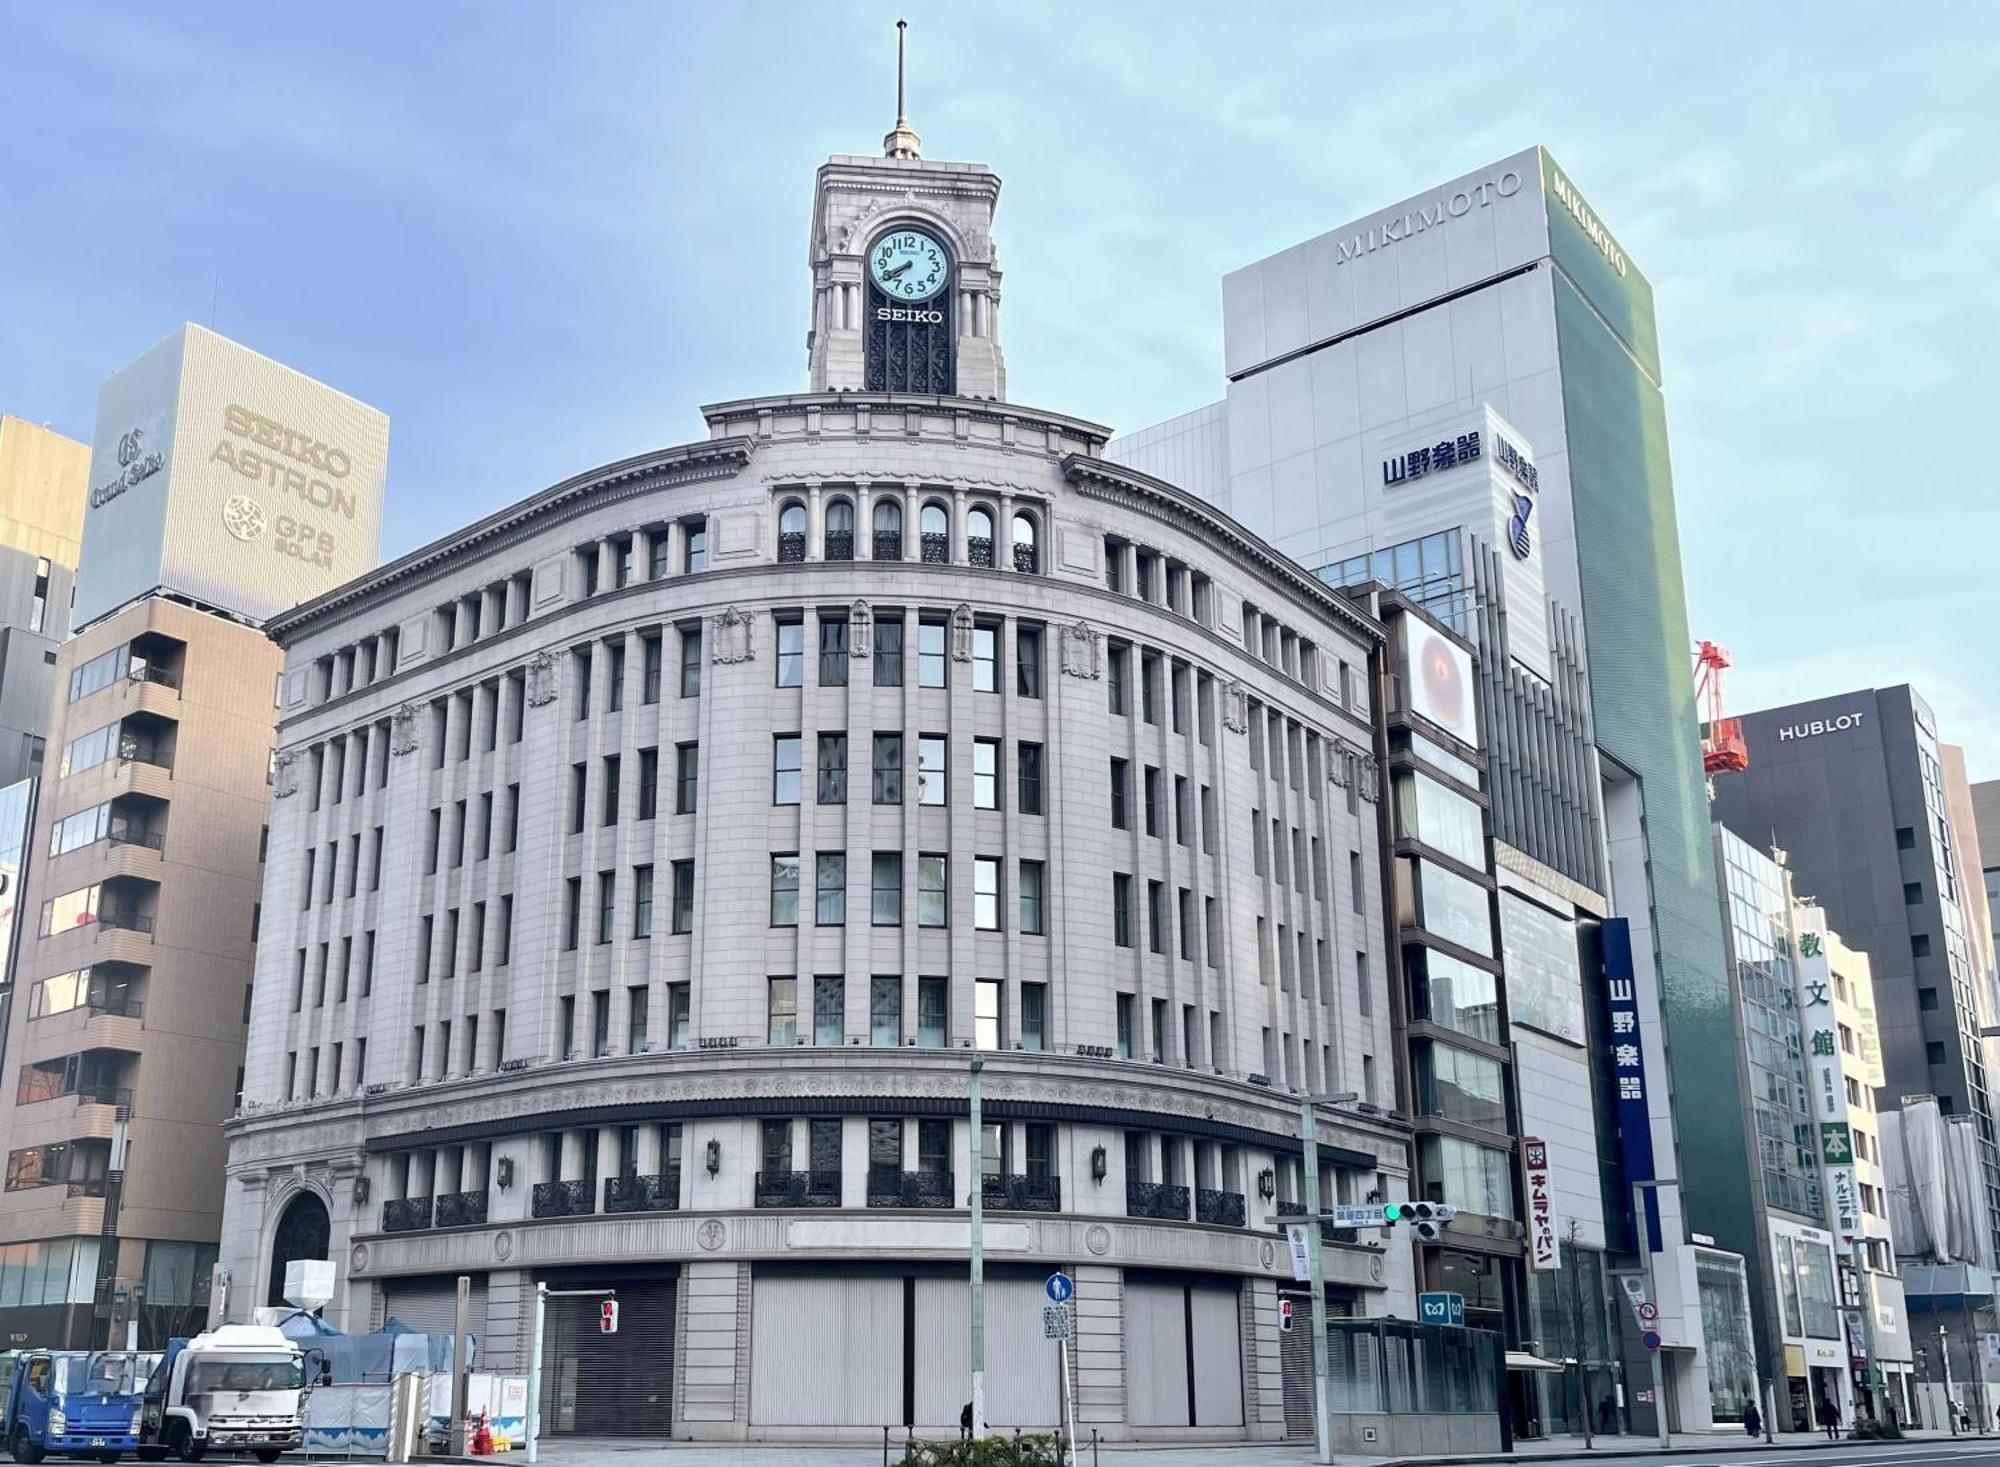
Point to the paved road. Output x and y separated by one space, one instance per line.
1797 1451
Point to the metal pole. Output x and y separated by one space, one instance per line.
978 1261
1867 1301
1322 1424
1069 1387
1577 1334
1645 1237
461 1333
535 1372
1944 1354
1770 1408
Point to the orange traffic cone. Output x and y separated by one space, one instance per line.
482 1438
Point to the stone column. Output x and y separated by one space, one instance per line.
447 1169
958 555
570 1165
649 1150
815 526
607 1160
423 1171
913 531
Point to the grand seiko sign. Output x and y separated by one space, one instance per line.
136 464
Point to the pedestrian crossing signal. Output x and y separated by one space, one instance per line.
607 1317
1284 1316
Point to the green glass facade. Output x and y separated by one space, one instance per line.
1642 683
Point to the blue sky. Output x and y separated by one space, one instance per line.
540 236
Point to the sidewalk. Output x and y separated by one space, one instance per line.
611 1452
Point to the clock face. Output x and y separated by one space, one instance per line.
908 265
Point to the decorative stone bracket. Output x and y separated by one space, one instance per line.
403 730
1081 652
541 669
731 637
285 774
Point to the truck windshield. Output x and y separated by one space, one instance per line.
99 1373
271 1373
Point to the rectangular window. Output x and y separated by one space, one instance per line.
607 888
1028 763
1149 687
513 818
580 680
1126 1005
785 891
608 813
1160 1031
832 651
679 1004
933 1012
1154 805
1185 901
636 1013
1183 810
885 1012
889 649
615 691
831 788
1028 661
986 893
572 911
785 769
1121 909
933 897
791 654
652 664
932 784
642 901
1156 916
687 778
830 890
690 662
683 914
1118 671
886 894
985 774
1034 1016
988 1025
1032 917
649 783
888 772
829 1010
579 775
1121 795
694 543
783 1005
986 659
930 653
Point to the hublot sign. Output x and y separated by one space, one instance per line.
1815 726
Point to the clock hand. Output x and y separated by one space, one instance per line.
900 269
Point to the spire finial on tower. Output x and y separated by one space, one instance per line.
901 141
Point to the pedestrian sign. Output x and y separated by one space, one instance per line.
1059 1288
1055 1321
1284 1316
607 1317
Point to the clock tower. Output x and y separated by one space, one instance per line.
906 286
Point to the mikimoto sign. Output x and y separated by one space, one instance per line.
229 478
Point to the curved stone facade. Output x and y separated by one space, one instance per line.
832 709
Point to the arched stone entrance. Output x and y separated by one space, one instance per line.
304 1231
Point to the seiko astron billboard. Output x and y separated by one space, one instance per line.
223 476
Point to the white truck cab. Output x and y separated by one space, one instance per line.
235 1388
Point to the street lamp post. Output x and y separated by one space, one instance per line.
1645 1241
1316 1270
978 1261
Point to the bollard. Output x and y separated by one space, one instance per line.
885 1446
1093 1447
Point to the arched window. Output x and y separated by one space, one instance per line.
936 525
1027 553
792 531
888 530
304 1232
979 537
839 530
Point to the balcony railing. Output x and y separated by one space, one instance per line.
142 751
1021 1192
840 544
792 545
462 1209
406 1214
1223 1209
979 550
123 921
1026 561
132 835
576 1197
798 1189
659 1193
893 1187
91 1187
888 544
1165 1200
147 673
935 548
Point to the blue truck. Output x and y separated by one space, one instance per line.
74 1403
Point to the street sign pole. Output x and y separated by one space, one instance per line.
535 1371
978 1264
1646 1258
1322 1425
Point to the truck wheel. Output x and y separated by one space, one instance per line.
107 1456
23 1447
181 1442
152 1454
268 1454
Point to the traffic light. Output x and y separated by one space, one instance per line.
1284 1316
1426 1219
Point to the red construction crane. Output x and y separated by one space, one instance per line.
1722 748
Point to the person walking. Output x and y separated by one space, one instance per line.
1829 1417
1753 1420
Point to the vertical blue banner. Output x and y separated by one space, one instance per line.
1628 1068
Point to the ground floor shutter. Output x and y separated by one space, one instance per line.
430 1305
826 1350
594 1384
